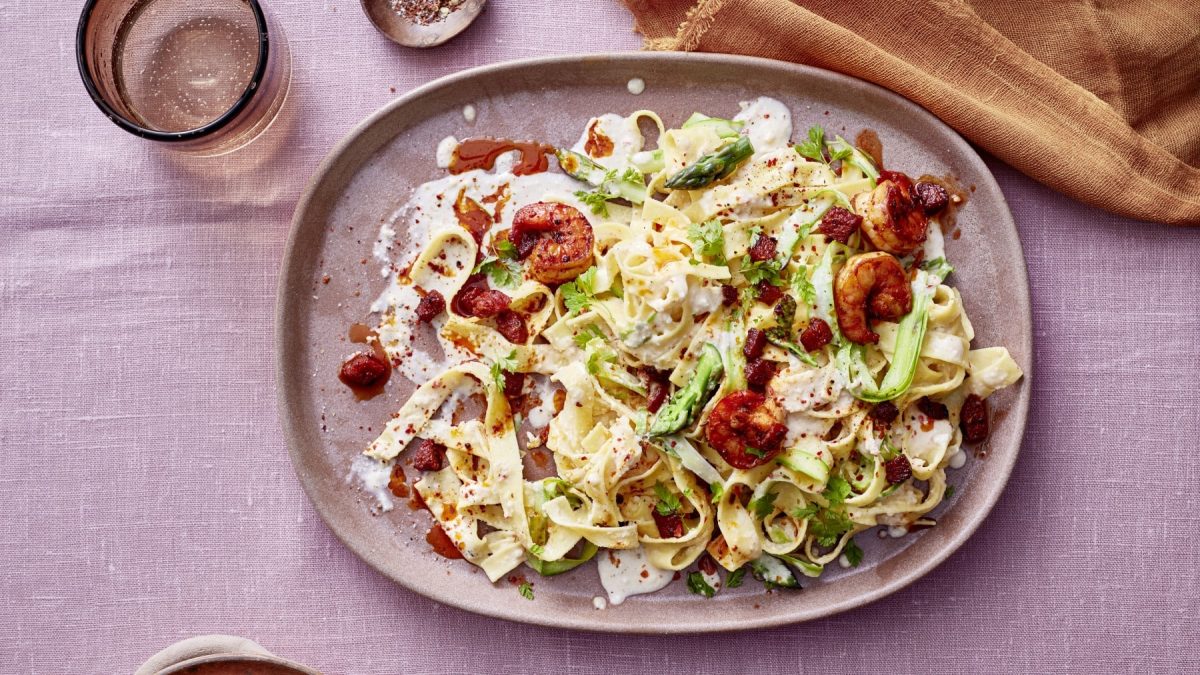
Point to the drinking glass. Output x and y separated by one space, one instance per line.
202 76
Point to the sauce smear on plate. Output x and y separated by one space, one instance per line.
481 153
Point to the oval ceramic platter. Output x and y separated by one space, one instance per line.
329 280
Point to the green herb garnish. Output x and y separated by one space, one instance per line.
589 333
596 200
699 586
735 578
853 553
503 272
837 490
668 504
764 505
504 364
526 590
580 293
717 490
708 238
814 146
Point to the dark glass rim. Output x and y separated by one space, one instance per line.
173 136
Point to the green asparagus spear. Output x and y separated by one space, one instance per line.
549 568
723 128
687 402
581 167
713 166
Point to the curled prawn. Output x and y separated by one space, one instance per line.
555 239
892 219
746 429
873 283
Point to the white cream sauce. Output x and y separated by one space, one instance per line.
624 134
627 573
801 426
935 242
768 123
927 444
373 476
704 298
445 151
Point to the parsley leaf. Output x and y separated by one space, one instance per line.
807 511
597 357
764 505
596 200
814 146
580 293
708 238
506 364
755 452
757 271
591 332
526 590
837 490
506 249
735 578
699 586
668 504
829 526
842 152
538 550
717 490
803 287
853 553
949 492
632 175
503 272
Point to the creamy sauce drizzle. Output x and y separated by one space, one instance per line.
627 573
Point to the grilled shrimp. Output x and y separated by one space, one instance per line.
870 282
746 429
556 240
892 218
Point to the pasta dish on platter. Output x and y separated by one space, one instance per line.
720 356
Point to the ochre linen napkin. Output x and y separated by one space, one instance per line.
1099 100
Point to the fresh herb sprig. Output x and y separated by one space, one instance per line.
668 504
502 365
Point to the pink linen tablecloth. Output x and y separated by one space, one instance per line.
146 494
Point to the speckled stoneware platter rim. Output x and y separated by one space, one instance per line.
997 298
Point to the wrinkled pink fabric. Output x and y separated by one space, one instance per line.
146 494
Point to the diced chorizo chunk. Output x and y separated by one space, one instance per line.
932 409
363 370
898 469
839 223
973 419
429 456
763 248
430 306
931 196
816 335
512 327
756 342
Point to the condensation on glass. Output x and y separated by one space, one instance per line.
205 76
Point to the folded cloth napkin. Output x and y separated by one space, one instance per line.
1099 100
